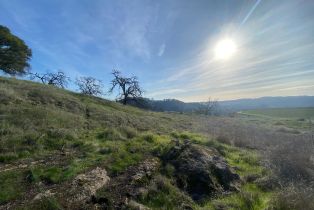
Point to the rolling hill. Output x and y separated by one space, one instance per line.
173 105
64 150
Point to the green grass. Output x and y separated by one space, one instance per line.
36 119
288 120
246 163
249 198
163 194
44 204
12 185
82 132
288 113
50 175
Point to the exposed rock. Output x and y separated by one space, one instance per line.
84 186
45 194
136 206
79 193
146 168
201 171
127 186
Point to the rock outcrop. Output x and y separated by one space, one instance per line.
121 190
201 171
84 186
78 193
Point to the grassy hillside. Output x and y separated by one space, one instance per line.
288 120
50 137
294 113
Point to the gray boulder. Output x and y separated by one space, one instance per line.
201 171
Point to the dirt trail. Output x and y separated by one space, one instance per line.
53 159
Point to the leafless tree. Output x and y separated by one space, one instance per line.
37 76
89 86
128 87
209 107
58 79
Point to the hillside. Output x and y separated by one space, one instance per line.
63 150
225 107
302 114
269 102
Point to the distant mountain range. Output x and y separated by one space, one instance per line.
227 106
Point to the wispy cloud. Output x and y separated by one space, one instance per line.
266 63
161 49
169 44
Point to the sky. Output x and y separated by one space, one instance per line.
169 44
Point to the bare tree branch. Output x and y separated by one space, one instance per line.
89 86
58 79
128 87
209 107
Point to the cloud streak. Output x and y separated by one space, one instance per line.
169 44
161 49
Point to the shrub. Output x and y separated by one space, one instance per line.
241 143
61 134
129 132
8 157
105 151
50 175
149 137
224 140
110 134
169 170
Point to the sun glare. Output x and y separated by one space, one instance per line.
225 49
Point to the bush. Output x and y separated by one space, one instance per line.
128 132
224 140
50 175
149 137
105 151
61 134
8 157
169 170
111 134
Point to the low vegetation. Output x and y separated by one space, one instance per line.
286 120
49 136
300 114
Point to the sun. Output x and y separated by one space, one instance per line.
225 49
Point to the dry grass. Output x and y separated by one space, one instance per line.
289 156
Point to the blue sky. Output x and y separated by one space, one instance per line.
169 44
